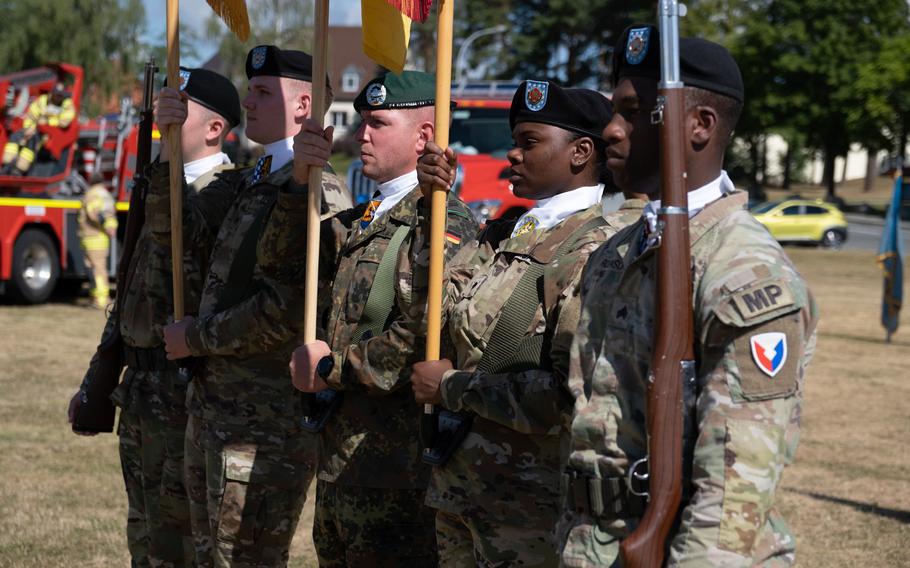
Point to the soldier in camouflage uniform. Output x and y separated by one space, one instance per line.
370 495
755 330
497 497
152 395
248 463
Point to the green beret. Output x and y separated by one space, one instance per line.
409 89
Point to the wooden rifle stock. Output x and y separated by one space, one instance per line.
96 411
672 361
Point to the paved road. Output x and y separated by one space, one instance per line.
865 233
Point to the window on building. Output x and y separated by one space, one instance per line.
339 118
350 81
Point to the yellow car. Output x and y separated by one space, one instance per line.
802 220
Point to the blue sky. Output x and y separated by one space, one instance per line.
194 13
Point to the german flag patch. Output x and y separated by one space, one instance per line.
453 238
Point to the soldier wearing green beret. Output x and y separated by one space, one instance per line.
248 462
755 331
370 507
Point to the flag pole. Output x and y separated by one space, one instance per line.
176 160
438 198
314 177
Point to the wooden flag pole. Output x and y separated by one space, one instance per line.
438 200
176 160
317 104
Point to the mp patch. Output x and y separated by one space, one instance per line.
637 45
762 298
769 351
376 94
536 95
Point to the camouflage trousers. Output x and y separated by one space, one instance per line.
583 543
158 519
367 526
245 497
470 541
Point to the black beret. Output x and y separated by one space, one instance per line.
408 89
270 61
579 110
213 91
702 63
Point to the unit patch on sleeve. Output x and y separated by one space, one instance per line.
769 351
767 359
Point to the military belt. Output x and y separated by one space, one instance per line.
605 498
147 359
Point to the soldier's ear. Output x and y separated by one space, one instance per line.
702 125
582 151
217 130
426 130
303 103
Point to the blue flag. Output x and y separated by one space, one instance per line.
891 260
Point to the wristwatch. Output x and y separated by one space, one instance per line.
324 367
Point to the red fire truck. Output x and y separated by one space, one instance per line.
39 245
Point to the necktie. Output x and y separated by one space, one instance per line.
262 169
370 212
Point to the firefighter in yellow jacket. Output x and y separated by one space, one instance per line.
97 226
53 109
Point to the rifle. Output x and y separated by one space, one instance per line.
96 411
672 361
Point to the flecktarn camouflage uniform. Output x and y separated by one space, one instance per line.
498 495
248 463
755 334
370 494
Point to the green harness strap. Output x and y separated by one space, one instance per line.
508 348
382 293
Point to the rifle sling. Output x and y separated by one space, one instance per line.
508 348
381 300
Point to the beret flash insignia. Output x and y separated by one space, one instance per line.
258 57
536 95
376 94
184 78
637 45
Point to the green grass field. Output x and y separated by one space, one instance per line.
847 497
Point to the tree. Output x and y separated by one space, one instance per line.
100 35
883 83
286 23
813 51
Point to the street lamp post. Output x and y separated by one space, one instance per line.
460 62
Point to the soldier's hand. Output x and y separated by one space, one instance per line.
436 168
426 379
312 147
170 110
175 339
303 366
71 413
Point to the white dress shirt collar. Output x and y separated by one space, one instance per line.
551 211
192 170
